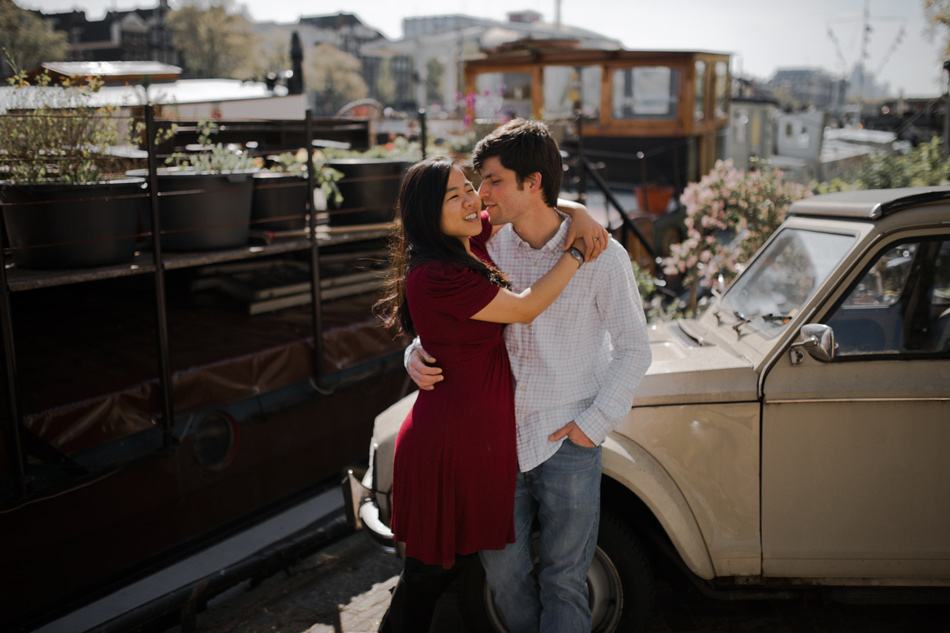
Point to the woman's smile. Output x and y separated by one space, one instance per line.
461 208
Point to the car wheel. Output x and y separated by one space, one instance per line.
619 584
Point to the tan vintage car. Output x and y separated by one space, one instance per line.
797 434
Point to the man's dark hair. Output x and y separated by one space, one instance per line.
524 147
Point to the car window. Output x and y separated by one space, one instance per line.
783 277
900 305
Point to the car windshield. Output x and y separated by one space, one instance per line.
778 283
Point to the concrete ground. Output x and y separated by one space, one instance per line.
344 588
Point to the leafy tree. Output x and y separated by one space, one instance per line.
213 40
435 77
385 84
27 40
923 166
334 76
786 101
937 13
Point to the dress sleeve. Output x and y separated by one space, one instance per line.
449 288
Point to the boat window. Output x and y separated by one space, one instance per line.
722 88
699 92
503 96
569 88
646 92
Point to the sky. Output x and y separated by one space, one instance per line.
762 35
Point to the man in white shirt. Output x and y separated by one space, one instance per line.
576 367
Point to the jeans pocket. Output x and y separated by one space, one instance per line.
579 447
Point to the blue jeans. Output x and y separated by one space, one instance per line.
563 494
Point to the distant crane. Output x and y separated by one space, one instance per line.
865 38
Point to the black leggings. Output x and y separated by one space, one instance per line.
417 590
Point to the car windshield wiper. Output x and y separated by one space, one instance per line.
742 319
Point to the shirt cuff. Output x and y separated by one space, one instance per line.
416 344
595 425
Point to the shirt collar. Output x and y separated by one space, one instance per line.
557 241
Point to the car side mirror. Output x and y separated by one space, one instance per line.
818 340
718 286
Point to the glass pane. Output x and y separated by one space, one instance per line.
783 278
567 88
648 92
699 104
900 304
722 88
503 95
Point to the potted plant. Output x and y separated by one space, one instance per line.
66 202
370 182
280 191
204 195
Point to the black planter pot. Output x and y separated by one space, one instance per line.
280 202
73 225
202 211
369 188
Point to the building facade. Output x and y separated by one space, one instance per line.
136 35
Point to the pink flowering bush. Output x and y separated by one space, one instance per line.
729 214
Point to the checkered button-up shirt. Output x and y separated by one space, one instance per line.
584 356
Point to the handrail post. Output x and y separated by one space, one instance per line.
161 311
582 163
423 137
16 449
628 224
315 302
643 180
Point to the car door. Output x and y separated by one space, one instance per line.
855 450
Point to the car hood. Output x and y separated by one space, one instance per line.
692 365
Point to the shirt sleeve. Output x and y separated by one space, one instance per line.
619 305
449 288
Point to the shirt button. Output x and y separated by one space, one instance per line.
527 359
535 264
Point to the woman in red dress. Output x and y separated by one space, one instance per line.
455 461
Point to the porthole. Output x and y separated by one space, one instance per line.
216 440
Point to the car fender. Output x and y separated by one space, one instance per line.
632 466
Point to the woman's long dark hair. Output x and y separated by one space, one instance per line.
418 238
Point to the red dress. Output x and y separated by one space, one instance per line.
456 461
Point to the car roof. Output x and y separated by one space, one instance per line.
869 204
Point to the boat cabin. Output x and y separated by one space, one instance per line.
654 116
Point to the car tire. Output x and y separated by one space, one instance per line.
620 586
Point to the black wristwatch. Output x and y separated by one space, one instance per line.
576 254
